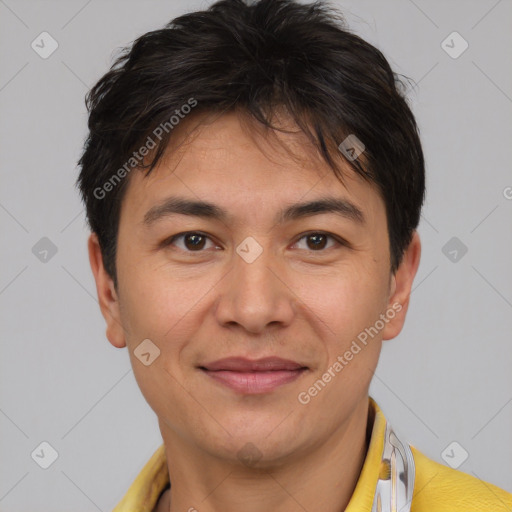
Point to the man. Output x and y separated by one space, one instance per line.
253 180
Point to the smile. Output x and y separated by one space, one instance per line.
253 377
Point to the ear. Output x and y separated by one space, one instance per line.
400 288
107 295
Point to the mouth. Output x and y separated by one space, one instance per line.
253 376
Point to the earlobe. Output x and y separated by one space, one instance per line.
107 295
401 286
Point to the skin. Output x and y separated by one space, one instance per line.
294 301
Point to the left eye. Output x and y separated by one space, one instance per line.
194 241
318 240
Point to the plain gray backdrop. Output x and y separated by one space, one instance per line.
446 379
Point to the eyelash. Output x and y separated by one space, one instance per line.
337 239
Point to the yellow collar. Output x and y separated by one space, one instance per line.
144 492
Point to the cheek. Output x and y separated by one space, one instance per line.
154 302
156 310
344 303
169 312
344 312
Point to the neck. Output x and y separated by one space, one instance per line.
322 477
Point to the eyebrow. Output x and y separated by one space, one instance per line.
204 209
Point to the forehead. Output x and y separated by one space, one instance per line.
232 161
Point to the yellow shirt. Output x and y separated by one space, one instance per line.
437 488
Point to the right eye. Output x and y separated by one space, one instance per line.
192 241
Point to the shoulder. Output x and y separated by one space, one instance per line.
438 488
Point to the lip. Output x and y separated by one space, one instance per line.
248 376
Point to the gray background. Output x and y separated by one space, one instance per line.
446 377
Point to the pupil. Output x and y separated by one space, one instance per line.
196 240
316 237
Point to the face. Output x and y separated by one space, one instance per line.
264 280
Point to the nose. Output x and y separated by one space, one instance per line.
255 294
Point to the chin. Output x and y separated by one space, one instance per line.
258 444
